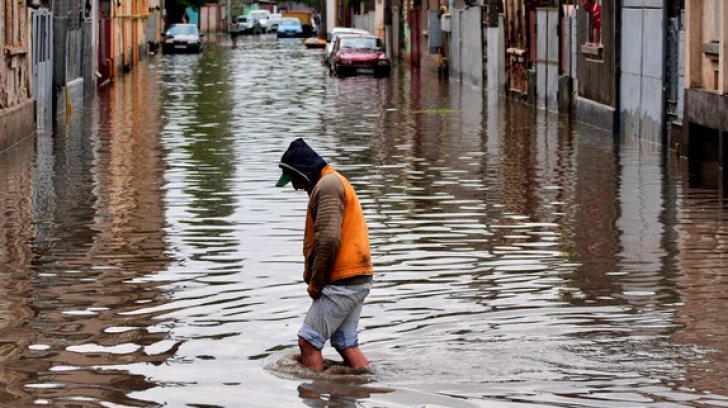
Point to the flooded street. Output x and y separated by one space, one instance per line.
146 257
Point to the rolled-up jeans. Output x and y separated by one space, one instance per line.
335 316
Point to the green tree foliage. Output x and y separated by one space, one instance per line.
196 4
314 4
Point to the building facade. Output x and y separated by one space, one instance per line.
706 82
597 69
17 118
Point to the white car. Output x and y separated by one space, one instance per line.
273 21
262 17
331 39
241 25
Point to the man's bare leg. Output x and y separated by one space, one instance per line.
353 357
311 357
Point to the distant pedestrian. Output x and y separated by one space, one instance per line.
317 24
338 267
234 30
595 18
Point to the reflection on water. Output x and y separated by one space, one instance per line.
94 222
146 257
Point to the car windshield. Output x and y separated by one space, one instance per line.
187 29
360 43
290 22
242 19
337 34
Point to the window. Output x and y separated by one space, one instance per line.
182 29
290 22
365 43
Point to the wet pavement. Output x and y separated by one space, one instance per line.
521 260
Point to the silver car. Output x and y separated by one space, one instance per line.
274 21
182 38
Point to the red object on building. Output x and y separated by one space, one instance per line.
415 30
595 14
105 58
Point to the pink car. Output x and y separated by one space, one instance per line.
359 54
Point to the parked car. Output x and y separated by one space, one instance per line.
306 19
359 54
255 21
331 38
273 22
241 25
290 27
261 17
182 38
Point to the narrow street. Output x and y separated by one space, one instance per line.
146 257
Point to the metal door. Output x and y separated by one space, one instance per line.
547 58
642 80
675 72
42 66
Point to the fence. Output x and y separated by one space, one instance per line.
42 67
569 44
465 62
211 18
547 58
643 64
87 55
675 68
496 77
74 56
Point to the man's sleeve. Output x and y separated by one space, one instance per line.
327 209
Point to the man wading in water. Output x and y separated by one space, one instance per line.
338 267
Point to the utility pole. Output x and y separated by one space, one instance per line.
322 20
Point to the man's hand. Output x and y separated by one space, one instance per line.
314 292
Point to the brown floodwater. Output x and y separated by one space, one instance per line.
521 260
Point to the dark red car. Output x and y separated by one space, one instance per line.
359 54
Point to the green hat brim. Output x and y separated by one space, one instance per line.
286 178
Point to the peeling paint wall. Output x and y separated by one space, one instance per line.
14 53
